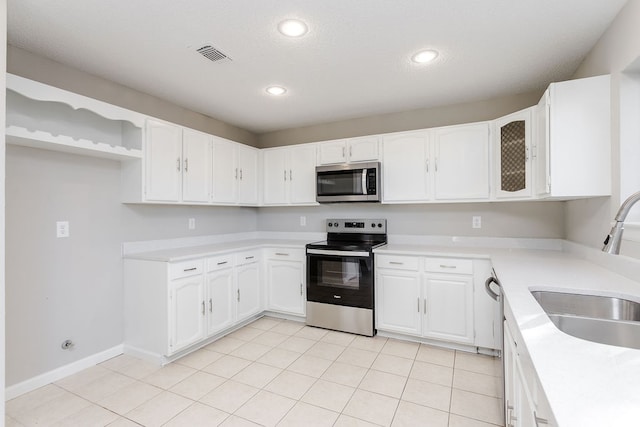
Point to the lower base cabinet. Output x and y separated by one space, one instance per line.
172 306
285 273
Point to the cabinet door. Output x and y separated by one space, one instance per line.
448 307
363 149
398 301
276 176
332 152
163 161
512 160
225 171
196 166
247 290
285 286
220 300
462 162
541 147
406 167
302 174
247 175
186 312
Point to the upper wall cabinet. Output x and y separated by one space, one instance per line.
43 116
442 164
235 173
363 149
289 175
572 139
512 155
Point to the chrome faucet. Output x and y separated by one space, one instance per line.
614 239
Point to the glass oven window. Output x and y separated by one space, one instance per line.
340 183
340 273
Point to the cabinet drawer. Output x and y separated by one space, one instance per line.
182 269
247 257
219 262
285 253
448 265
397 262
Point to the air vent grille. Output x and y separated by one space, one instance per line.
212 54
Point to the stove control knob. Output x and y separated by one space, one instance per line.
373 225
380 225
335 224
330 224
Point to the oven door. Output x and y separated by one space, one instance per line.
340 277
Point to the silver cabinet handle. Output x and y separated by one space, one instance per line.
290 175
418 304
240 174
300 289
427 162
236 173
282 253
285 174
447 266
210 305
425 306
203 308
178 164
396 263
186 165
343 153
526 157
249 257
190 269
436 164
238 295
222 262
350 151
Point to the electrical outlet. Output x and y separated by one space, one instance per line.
476 222
192 223
62 229
303 221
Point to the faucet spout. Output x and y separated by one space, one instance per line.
614 238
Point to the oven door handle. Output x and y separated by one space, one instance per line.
338 253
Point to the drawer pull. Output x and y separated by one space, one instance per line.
222 262
238 295
249 257
210 305
396 263
190 269
418 304
203 308
447 266
282 253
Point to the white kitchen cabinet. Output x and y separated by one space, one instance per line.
421 296
406 167
248 284
196 166
289 175
235 173
163 161
247 175
572 139
186 312
219 284
398 303
512 161
364 149
286 289
461 162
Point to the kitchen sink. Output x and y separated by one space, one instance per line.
602 319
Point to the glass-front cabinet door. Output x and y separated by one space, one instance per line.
512 155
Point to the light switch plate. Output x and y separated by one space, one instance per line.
62 228
476 222
192 223
303 221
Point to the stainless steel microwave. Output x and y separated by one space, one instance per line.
354 182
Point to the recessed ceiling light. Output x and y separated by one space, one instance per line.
424 56
293 28
276 90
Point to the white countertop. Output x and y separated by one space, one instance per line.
190 252
586 383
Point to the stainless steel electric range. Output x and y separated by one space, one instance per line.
340 275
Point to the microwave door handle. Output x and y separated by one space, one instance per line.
364 182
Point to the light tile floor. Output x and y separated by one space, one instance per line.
277 372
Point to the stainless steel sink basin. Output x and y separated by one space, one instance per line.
607 320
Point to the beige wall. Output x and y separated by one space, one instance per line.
588 221
408 120
44 70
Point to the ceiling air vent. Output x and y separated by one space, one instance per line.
212 54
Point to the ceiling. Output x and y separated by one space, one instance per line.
354 61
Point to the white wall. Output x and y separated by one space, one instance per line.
3 66
505 219
616 53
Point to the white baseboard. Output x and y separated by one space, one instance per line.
61 372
